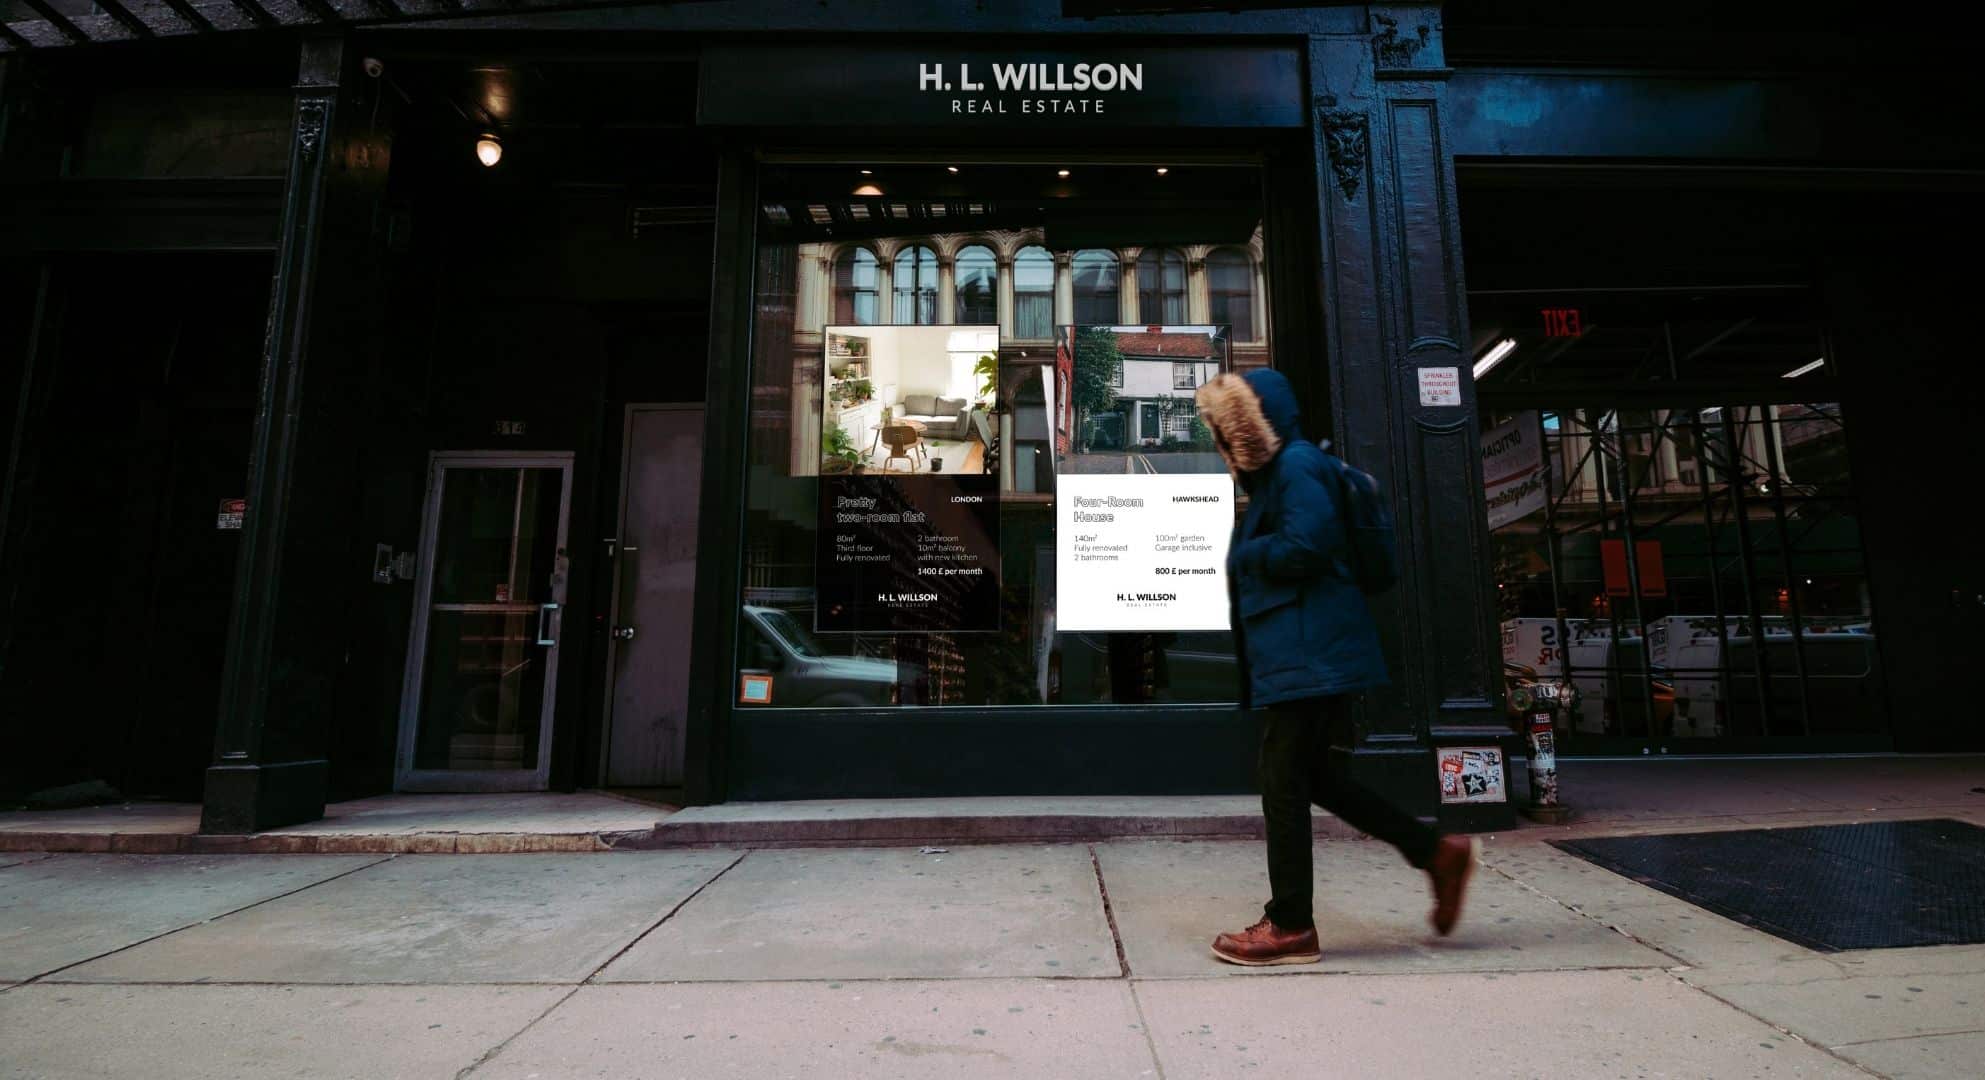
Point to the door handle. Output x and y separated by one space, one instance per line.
546 630
624 633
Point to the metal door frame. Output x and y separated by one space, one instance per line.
614 562
405 776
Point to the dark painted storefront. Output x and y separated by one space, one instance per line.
465 422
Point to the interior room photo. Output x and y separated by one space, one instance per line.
909 399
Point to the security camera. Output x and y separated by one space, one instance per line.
374 67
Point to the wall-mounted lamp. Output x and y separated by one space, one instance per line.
869 190
489 151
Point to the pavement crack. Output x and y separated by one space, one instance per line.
1780 1028
666 916
1583 914
1109 913
1144 1026
199 922
492 1053
1907 1038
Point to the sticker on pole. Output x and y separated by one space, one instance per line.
1440 386
1471 774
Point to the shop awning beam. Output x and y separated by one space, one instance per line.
256 13
123 17
57 20
197 21
321 11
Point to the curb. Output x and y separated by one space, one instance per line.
999 829
313 844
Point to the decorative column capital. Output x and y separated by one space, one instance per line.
1346 137
313 115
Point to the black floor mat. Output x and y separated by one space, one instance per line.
1828 887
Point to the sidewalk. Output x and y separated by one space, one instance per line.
1013 960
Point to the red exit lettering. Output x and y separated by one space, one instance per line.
1562 322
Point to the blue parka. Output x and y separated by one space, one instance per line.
1301 624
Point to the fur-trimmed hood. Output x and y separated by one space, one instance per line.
1252 417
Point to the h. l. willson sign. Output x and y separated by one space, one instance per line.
1023 78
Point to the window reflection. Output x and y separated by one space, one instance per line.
819 402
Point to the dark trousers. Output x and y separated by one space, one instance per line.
1297 769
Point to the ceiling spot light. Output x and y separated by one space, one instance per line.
1494 356
868 172
951 169
1163 170
1806 368
869 190
1063 173
489 151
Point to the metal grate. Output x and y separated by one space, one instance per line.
1873 886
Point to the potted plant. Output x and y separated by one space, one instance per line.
838 452
987 369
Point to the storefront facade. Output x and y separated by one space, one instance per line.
542 452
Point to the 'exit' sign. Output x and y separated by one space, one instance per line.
1562 322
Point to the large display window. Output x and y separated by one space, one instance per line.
975 472
1677 539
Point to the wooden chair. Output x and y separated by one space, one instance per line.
902 441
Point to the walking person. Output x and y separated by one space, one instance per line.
1306 643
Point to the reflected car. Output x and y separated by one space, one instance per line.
805 674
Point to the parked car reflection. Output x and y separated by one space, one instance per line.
805 674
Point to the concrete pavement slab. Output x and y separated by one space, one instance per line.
220 1032
1581 1025
432 919
1835 1012
887 913
1170 899
875 1031
1933 1057
65 909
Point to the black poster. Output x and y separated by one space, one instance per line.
908 554
1096 85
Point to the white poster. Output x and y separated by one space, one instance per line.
1513 470
1440 386
1142 552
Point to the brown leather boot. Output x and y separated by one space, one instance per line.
1453 865
1265 944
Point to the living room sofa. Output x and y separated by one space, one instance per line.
942 417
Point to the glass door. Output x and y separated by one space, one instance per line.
482 672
